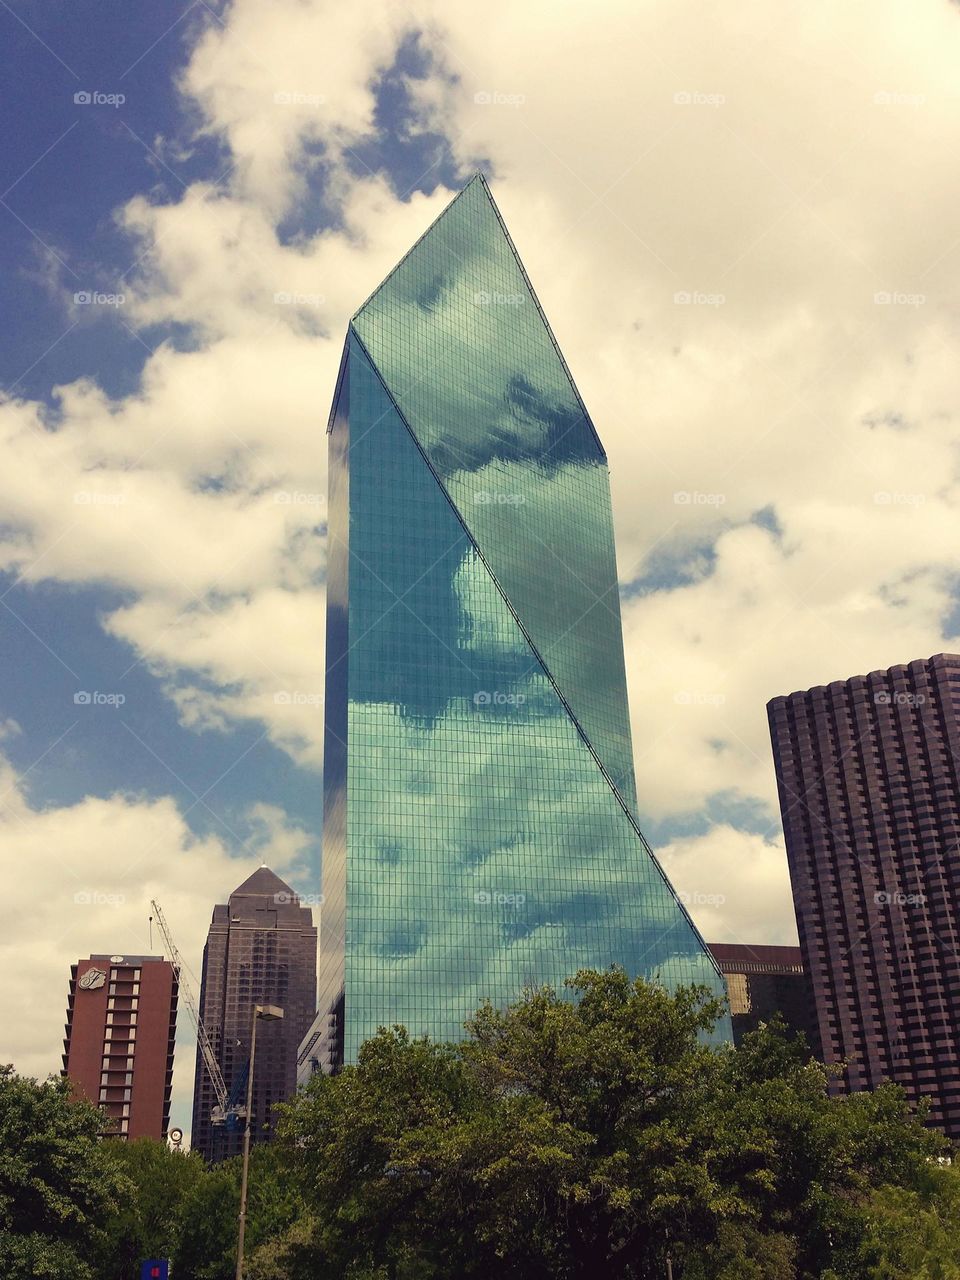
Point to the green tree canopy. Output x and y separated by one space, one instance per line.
588 1133
58 1185
592 1137
151 1219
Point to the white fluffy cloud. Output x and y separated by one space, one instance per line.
734 884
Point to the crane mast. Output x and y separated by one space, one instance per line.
225 1107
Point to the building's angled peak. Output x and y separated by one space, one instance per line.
263 881
471 182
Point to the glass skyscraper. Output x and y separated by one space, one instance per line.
480 830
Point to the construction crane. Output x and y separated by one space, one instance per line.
227 1107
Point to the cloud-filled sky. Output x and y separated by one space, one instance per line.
741 223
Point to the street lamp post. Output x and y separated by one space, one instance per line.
268 1013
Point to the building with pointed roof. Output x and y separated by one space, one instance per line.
480 808
261 949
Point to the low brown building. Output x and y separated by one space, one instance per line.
763 981
119 1040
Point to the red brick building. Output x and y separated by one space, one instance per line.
119 1040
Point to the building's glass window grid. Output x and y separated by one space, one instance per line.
480 835
870 796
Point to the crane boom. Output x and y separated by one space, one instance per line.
224 1104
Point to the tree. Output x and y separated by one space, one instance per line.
914 1233
207 1234
57 1183
149 1222
591 1137
207 1237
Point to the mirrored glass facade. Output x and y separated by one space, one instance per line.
480 821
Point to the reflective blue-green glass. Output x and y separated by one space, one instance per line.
481 833
458 337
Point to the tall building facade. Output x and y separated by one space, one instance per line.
261 949
867 771
119 1040
763 981
480 829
